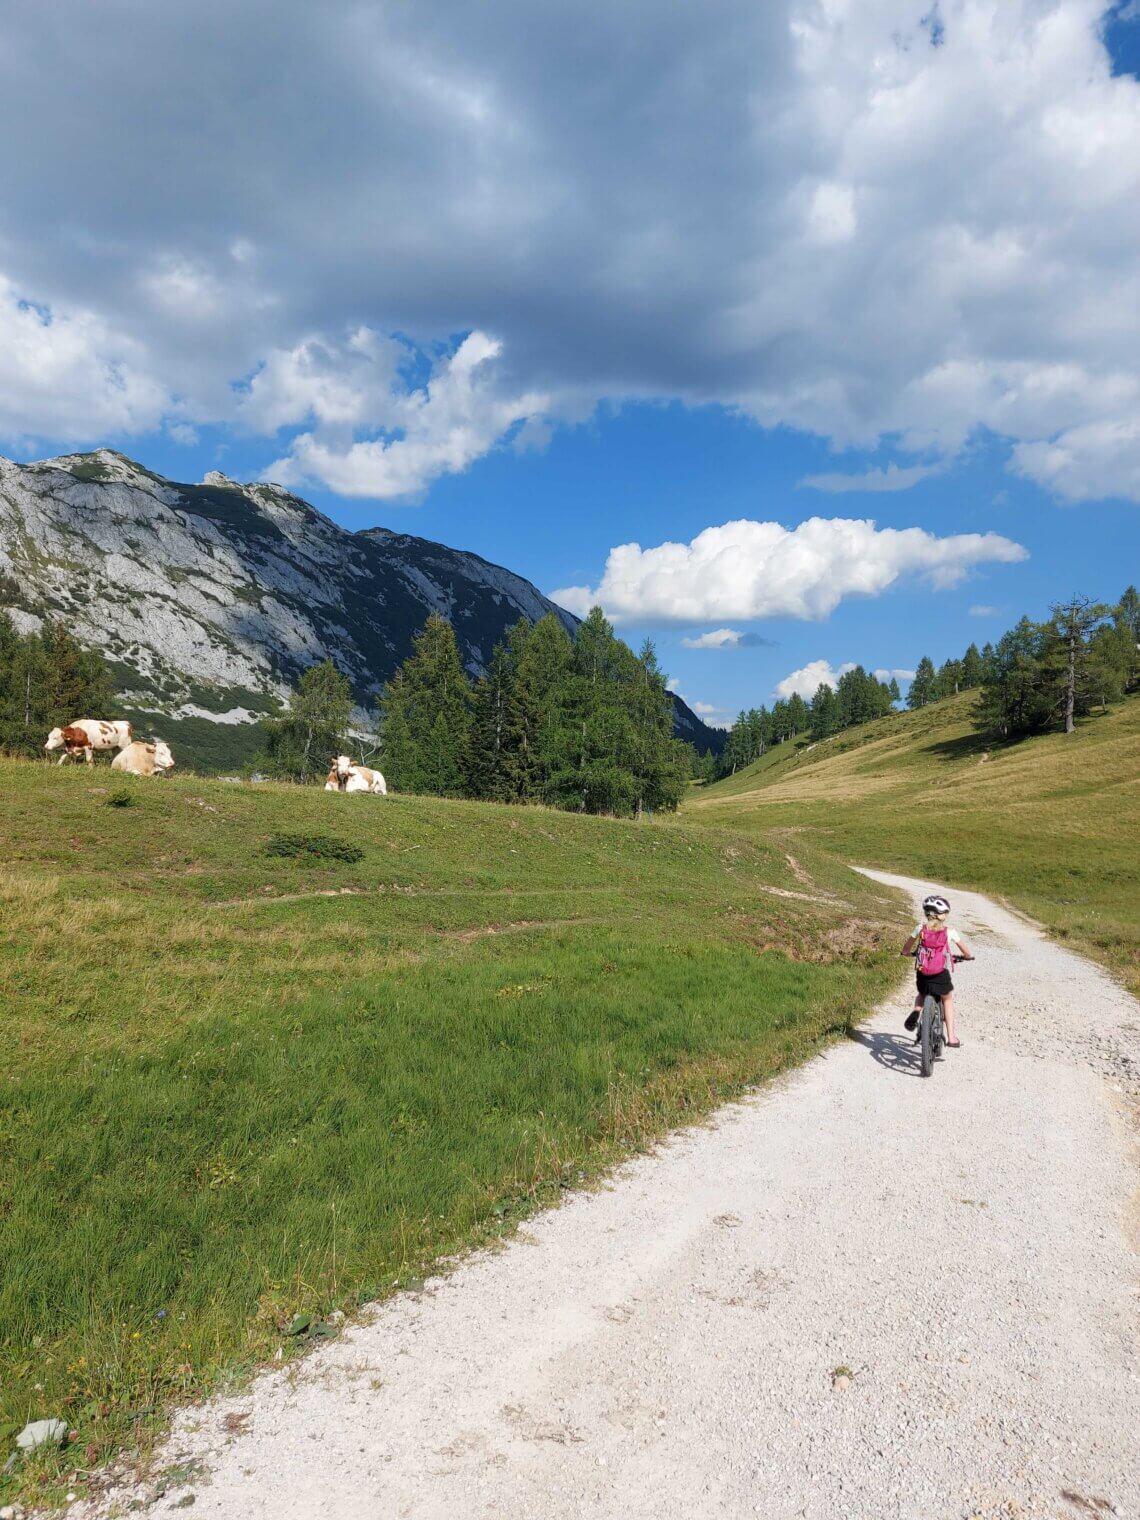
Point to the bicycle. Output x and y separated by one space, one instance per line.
931 1030
931 1033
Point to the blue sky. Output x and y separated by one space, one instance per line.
642 276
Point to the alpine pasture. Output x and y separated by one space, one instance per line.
271 1050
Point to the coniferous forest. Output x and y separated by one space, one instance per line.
579 723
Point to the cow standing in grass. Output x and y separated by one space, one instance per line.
139 759
80 740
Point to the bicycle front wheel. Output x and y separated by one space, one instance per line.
926 1035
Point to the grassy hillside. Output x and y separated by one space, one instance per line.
270 1050
1052 823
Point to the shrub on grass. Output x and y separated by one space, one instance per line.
319 846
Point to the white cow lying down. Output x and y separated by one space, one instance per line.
144 759
80 740
347 776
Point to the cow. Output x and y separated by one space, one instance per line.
347 776
140 759
80 740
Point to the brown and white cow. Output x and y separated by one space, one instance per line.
140 759
347 776
80 740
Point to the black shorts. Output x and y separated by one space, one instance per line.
934 986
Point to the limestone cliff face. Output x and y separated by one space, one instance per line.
209 599
221 593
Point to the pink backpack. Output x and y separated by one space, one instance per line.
933 952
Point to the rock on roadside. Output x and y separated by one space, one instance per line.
42 1433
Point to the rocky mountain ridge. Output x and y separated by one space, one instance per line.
209 599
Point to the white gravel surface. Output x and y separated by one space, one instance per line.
856 1293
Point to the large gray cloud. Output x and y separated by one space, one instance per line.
860 217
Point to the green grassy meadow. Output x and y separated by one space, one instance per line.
1052 823
242 1087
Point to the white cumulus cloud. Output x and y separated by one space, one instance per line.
806 681
66 374
457 417
749 570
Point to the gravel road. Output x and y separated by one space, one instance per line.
856 1293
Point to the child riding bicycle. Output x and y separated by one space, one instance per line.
935 947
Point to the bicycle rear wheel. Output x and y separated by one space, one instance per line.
926 1035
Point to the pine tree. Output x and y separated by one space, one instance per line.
922 687
735 754
594 743
1015 697
972 668
824 713
1073 624
949 679
662 763
303 742
426 715
496 750
798 716
540 653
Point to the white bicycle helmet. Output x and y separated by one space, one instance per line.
935 904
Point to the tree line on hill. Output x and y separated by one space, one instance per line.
1041 676
856 698
578 723
1037 676
46 679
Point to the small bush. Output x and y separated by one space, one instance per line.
320 846
126 796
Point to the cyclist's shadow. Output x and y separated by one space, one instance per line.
897 1052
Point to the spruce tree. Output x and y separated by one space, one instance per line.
303 742
922 687
824 713
426 714
1067 658
496 749
540 654
972 669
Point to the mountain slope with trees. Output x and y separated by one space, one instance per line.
208 601
580 723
